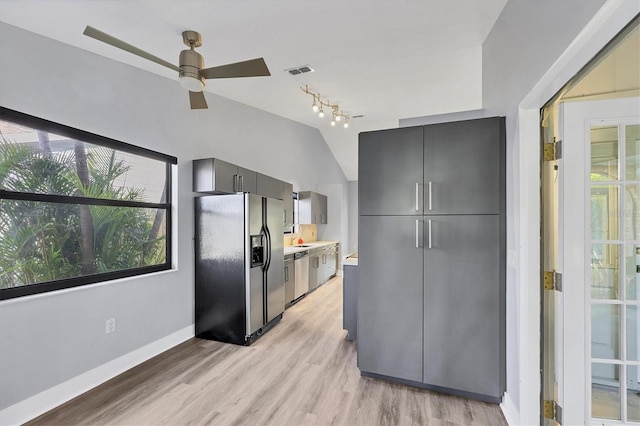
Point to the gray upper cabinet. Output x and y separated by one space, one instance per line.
248 180
287 199
462 172
390 164
214 176
312 208
390 298
269 187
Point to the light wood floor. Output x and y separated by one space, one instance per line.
302 372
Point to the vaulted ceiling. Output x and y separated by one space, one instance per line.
382 59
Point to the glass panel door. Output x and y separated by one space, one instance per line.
615 266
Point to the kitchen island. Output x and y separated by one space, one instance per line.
350 296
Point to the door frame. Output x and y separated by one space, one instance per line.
524 131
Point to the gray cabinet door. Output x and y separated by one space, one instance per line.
314 265
287 200
463 304
463 167
390 168
212 175
321 209
269 187
390 297
248 180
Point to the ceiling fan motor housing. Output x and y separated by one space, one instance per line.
191 62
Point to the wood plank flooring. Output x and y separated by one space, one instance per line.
302 372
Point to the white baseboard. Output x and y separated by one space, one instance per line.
36 405
510 411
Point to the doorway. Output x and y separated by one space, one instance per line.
591 241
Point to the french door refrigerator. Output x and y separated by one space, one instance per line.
239 268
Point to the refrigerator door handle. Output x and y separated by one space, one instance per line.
268 260
263 233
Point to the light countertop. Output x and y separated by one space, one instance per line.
307 246
350 260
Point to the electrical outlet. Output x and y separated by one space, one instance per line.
110 326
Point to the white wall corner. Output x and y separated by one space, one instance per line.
36 405
510 411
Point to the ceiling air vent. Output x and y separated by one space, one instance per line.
300 70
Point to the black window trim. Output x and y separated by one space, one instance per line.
37 123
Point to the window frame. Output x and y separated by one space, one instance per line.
44 125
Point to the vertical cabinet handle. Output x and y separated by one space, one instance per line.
241 183
417 233
430 203
417 196
235 183
286 274
430 244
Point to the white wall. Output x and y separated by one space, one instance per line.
353 218
52 338
525 61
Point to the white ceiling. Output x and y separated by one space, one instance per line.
384 59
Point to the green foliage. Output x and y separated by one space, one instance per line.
41 242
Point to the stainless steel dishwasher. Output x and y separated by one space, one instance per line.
302 273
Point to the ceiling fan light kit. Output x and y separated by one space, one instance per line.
336 113
191 71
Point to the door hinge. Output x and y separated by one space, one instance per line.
552 280
552 411
553 150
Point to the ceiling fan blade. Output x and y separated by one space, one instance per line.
197 100
106 38
252 68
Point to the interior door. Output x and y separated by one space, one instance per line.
600 222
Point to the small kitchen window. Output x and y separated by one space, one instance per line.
77 208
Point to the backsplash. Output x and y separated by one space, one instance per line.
308 234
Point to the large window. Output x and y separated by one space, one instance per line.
78 208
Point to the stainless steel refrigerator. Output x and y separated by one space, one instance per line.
239 269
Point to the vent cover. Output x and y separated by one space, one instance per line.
300 70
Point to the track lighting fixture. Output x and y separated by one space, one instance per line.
337 114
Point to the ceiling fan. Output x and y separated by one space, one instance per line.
191 72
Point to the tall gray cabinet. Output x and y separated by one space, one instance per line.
431 299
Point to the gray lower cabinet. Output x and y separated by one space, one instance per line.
390 297
314 266
463 304
350 301
289 279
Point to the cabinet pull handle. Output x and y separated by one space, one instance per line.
430 244
235 183
417 233
417 196
430 199
241 183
